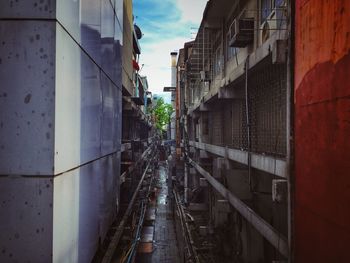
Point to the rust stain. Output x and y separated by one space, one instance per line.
322 131
322 33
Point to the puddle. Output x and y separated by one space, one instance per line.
163 193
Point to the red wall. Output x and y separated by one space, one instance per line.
322 131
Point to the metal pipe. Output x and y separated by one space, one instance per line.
132 167
289 122
144 206
186 184
138 233
116 237
186 227
247 112
275 238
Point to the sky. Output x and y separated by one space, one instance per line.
166 25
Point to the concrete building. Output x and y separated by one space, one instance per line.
263 102
136 124
235 88
261 128
60 114
137 128
173 96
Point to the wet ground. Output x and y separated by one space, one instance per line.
166 249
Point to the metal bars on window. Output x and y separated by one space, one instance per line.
267 104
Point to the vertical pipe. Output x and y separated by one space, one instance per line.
173 68
186 183
248 122
289 120
173 84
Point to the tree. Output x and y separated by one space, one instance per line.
162 112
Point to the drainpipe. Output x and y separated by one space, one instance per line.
247 110
186 183
290 121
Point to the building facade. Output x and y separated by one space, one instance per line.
235 92
60 113
263 102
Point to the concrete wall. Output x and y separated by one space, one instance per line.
60 113
128 28
322 131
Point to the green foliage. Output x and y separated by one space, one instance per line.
162 112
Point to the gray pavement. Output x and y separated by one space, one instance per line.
166 248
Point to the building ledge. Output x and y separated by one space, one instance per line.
276 239
265 163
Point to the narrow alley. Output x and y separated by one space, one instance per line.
174 131
166 248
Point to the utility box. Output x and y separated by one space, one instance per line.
279 190
242 31
279 52
219 165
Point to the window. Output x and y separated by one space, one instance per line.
230 51
278 3
267 6
218 61
217 53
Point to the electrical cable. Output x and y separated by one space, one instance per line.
138 232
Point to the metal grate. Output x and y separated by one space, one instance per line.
199 65
217 127
227 123
267 105
201 55
267 97
239 125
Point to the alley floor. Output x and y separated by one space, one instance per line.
166 249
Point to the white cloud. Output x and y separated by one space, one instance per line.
191 10
162 36
156 60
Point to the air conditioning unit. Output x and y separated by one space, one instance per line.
268 27
275 21
242 31
279 190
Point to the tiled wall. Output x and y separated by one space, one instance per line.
60 116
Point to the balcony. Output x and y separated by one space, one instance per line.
139 93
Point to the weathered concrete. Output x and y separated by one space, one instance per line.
322 131
165 238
